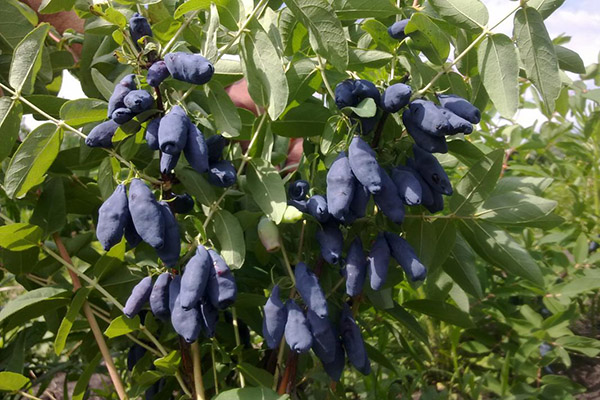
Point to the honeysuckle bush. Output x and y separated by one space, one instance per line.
510 270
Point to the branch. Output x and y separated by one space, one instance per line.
198 384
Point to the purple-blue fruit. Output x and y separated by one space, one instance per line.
335 368
195 278
366 89
324 336
275 318
331 240
356 268
388 200
122 115
364 165
168 162
173 131
215 145
405 255
366 125
210 317
157 73
432 171
395 97
354 343
358 205
317 207
169 252
426 192
340 187
298 190
457 124
138 101
138 297
221 286
191 68
196 150
344 96
430 143
301 205
183 203
159 297
438 203
396 30
152 133
379 259
131 235
115 101
429 118
460 107
174 289
102 134
297 329
408 186
135 353
311 292
139 27
187 322
222 173
112 218
146 214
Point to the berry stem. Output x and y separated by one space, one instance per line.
198 384
236 332
379 130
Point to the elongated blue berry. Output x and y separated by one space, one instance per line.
408 186
221 286
157 73
131 235
308 286
210 316
379 259
432 171
404 254
222 173
324 336
297 329
298 190
173 131
138 101
364 165
139 296
335 368
395 97
396 30
139 27
301 205
366 89
146 214
358 206
460 107
168 162
112 218
430 143
356 268
159 297
317 207
429 118
101 135
115 101
354 343
215 144
191 68
183 203
457 124
122 115
169 252
331 240
344 96
187 322
275 317
174 290
196 150
340 186
195 277
152 133
388 200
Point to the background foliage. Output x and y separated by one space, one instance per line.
508 308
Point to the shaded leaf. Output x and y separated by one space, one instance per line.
230 235
266 187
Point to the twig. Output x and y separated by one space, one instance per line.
379 130
198 384
238 342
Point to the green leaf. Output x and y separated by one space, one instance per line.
325 30
538 55
365 108
20 236
355 9
122 326
115 17
360 59
264 71
569 60
11 112
32 298
303 80
230 235
54 6
250 393
477 184
10 381
17 19
196 185
28 166
545 7
428 37
461 267
409 322
27 60
585 345
577 286
514 208
266 187
224 111
104 86
83 111
445 232
169 364
308 119
67 323
467 14
379 33
255 376
84 379
50 211
497 247
499 69
442 311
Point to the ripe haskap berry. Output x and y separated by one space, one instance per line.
460 107
318 208
408 186
173 131
168 162
210 317
395 97
112 218
196 150
366 125
159 297
139 27
297 329
358 206
379 259
457 124
131 235
183 203
138 101
354 343
331 240
222 173
404 254
191 68
438 203
429 118
115 101
430 143
152 133
174 289
157 73
169 252
432 171
335 368
268 233
215 144
138 297
363 163
187 322
221 287
388 200
311 292
135 353
301 205
146 214
324 336
340 187
298 190
101 135
275 318
344 96
195 278
364 89
356 268
396 30
122 115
